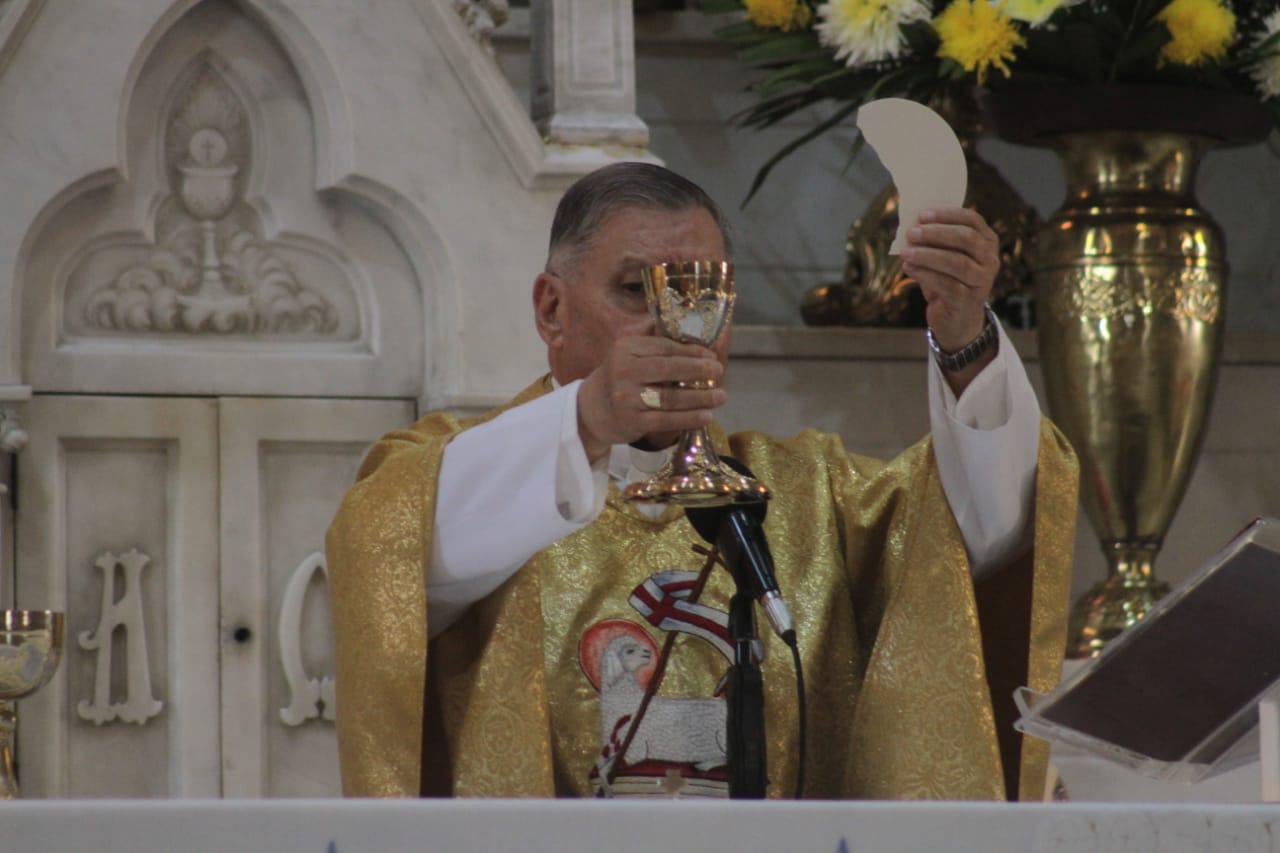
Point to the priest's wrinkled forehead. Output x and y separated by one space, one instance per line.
593 198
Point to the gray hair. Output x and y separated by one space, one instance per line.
588 203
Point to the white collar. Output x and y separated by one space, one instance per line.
625 459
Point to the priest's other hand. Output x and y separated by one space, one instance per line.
629 397
954 255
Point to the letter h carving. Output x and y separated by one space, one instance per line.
125 614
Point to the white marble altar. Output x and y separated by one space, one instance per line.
540 825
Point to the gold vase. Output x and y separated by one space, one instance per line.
1130 278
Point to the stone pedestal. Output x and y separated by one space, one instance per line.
584 82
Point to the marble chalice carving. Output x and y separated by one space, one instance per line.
211 268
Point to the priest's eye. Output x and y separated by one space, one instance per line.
632 288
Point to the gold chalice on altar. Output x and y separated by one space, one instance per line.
692 303
30 648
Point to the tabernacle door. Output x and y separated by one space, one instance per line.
285 466
117 526
183 538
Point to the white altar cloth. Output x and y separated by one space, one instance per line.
444 826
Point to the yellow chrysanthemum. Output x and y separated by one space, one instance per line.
864 31
978 35
1035 12
1201 29
785 15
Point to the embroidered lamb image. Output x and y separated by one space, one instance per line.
688 731
679 748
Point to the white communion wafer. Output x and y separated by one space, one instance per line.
922 154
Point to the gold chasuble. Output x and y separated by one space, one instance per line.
526 692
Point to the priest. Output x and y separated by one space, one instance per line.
499 609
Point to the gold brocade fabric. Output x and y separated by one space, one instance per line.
867 553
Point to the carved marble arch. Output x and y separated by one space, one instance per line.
209 267
215 259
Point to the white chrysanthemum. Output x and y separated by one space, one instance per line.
1267 71
864 31
1034 12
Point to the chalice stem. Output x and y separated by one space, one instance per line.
694 450
8 778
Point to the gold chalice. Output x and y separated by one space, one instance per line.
692 303
30 648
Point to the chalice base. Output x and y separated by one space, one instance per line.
718 485
1108 608
695 476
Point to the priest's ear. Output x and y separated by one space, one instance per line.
548 308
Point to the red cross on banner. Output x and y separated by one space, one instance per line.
662 601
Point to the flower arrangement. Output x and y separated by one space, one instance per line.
853 51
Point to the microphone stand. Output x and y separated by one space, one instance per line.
744 696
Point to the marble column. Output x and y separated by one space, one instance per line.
584 80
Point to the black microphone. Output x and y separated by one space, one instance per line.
738 531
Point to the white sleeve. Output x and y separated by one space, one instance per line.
507 489
986 445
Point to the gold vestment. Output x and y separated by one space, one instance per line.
867 553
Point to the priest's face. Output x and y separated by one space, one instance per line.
598 296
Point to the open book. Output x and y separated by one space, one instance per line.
1175 697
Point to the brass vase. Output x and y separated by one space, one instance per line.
1130 279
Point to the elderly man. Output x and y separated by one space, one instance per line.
499 608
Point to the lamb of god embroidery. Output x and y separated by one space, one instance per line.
677 748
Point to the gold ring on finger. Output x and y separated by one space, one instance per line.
651 397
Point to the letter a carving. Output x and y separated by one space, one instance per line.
125 614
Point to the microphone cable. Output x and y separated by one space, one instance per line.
790 639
